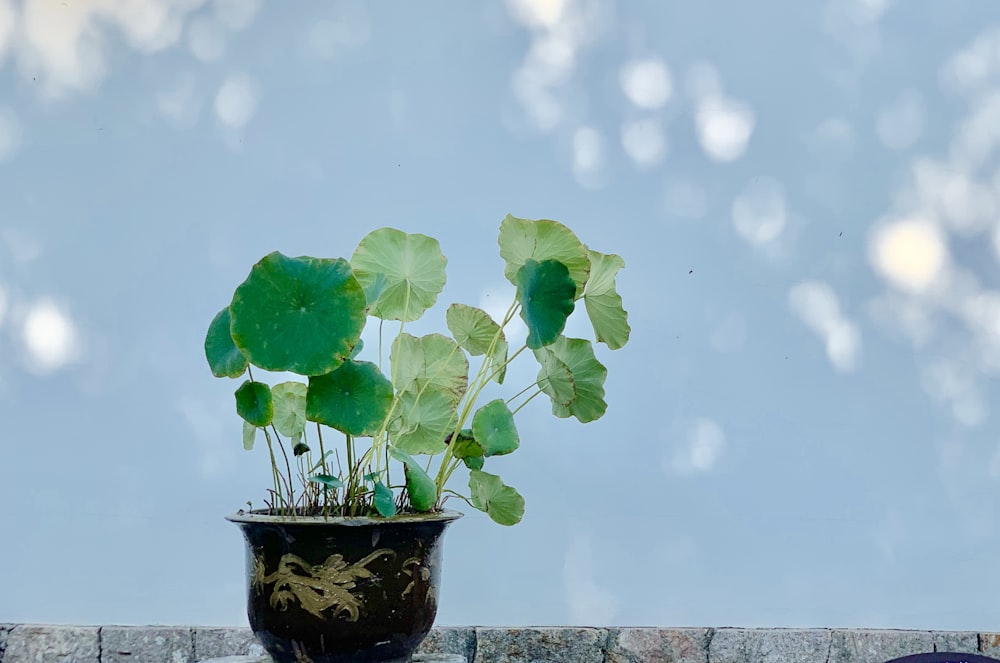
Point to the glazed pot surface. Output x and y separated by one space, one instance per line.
341 590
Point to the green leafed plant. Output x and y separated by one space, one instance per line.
409 425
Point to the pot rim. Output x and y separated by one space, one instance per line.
249 517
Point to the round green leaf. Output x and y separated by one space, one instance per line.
604 304
422 423
430 363
489 493
303 315
479 334
474 462
494 430
473 328
410 267
546 294
289 408
523 239
585 382
384 501
420 487
224 358
354 399
254 403
464 445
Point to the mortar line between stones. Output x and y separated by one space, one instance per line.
100 644
709 636
475 644
194 651
607 645
829 644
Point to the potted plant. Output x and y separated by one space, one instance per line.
343 563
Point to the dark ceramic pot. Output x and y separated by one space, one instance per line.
339 590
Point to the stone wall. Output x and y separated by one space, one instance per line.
162 644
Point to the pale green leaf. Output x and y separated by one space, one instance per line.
584 383
289 408
501 502
411 266
429 363
604 304
524 239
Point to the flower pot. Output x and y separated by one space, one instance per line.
333 590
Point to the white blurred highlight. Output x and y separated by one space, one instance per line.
180 103
588 156
560 29
646 83
816 305
347 28
911 254
644 142
588 602
206 39
49 336
724 127
8 22
759 211
702 447
236 101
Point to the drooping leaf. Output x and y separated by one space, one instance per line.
327 480
494 430
289 408
604 304
525 239
420 487
224 358
430 363
249 435
355 398
384 501
303 315
300 448
254 403
489 493
585 382
546 294
474 462
499 359
412 267
420 425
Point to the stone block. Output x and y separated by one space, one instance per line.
540 645
960 642
863 646
146 644
53 644
450 640
737 645
219 642
658 645
418 658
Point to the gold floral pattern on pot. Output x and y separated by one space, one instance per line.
318 588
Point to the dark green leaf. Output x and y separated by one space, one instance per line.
224 358
420 487
546 294
303 315
494 430
489 493
474 462
300 448
327 480
384 501
524 239
464 445
254 403
355 398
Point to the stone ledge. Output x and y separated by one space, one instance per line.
165 644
